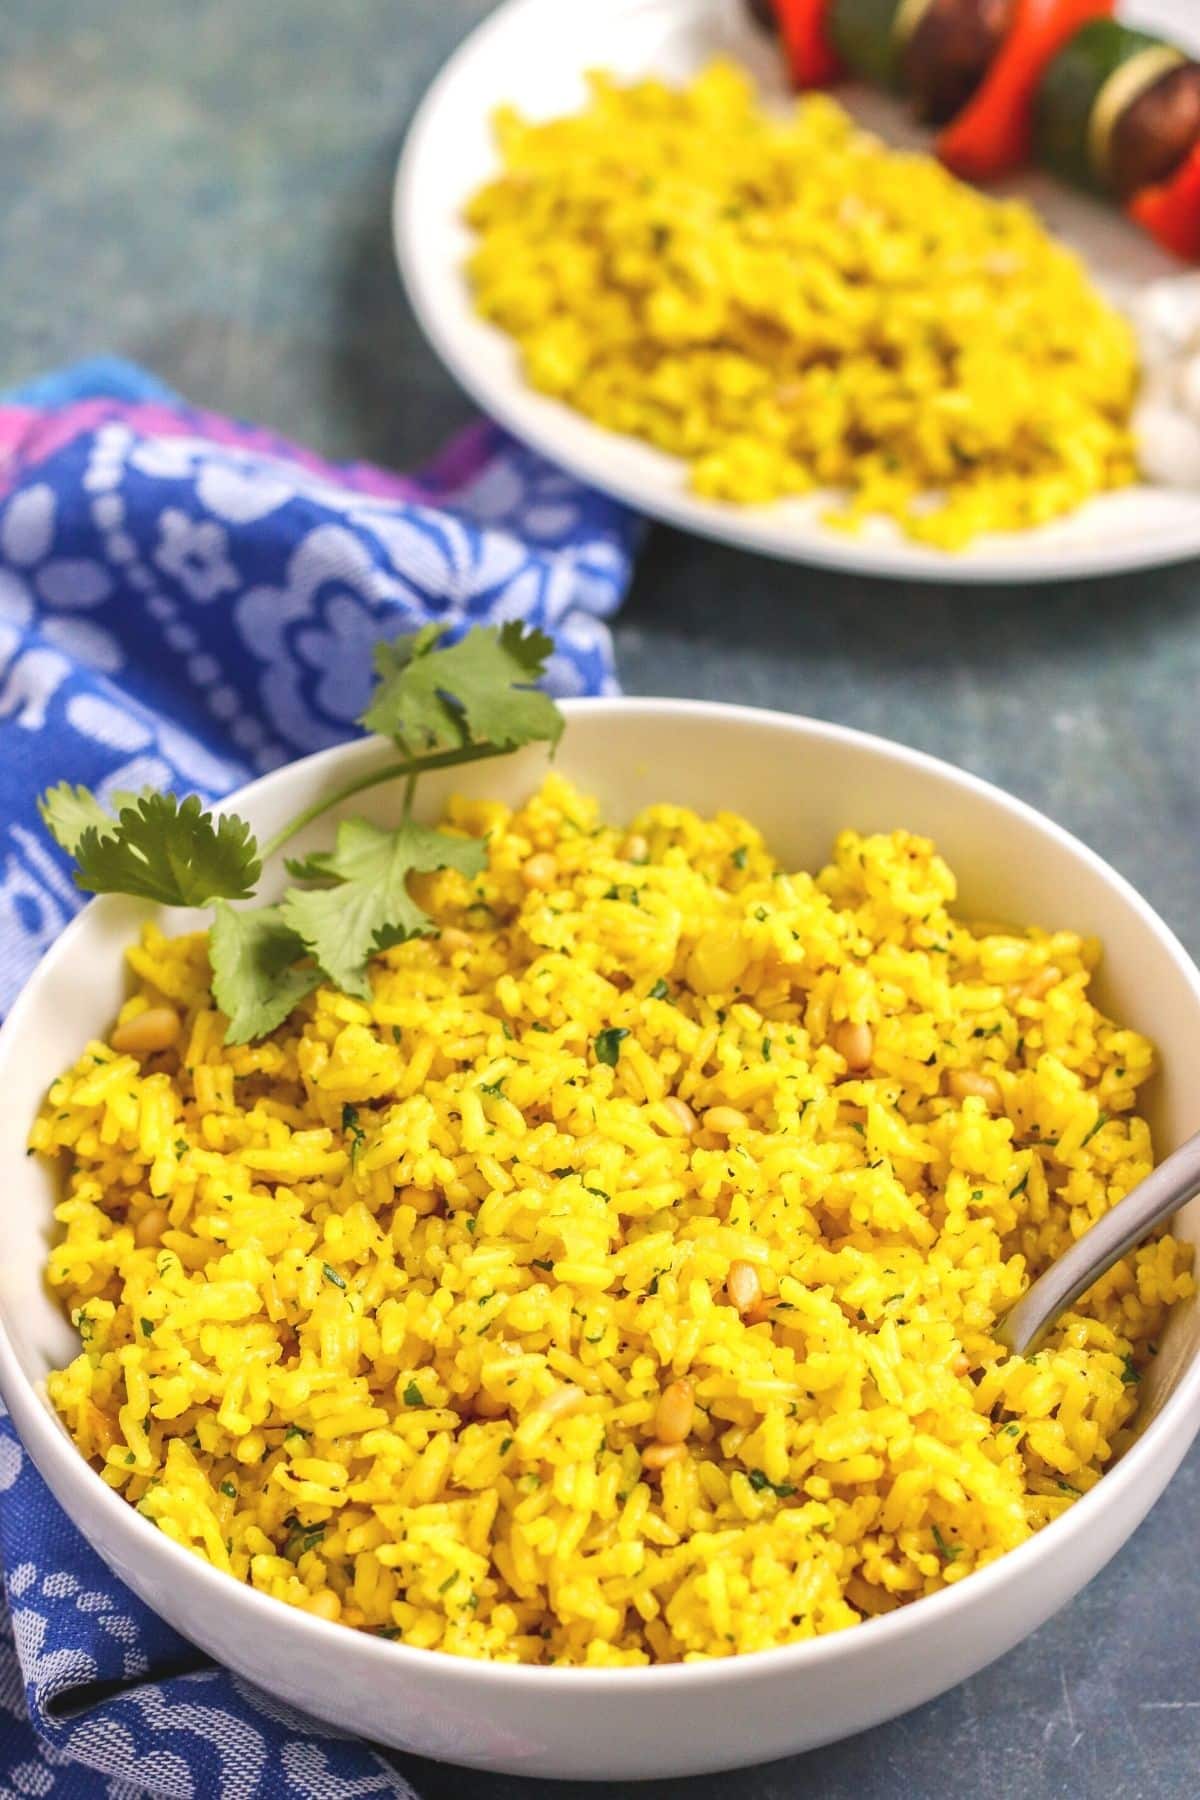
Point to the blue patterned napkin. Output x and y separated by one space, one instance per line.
187 602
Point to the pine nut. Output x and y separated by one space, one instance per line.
540 871
960 1364
854 1044
147 1032
1039 985
150 1227
556 1405
325 1604
657 1456
964 1084
718 962
675 1412
743 1286
681 1112
451 938
724 1119
635 849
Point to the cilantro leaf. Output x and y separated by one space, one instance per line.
255 982
477 691
370 907
159 848
67 812
316 866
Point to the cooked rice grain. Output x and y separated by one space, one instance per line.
789 305
379 1314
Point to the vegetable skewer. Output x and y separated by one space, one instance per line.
993 133
1110 108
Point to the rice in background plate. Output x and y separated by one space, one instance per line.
789 305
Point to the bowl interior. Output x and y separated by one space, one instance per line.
799 781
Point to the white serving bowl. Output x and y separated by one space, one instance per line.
800 781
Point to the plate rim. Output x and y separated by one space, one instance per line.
741 528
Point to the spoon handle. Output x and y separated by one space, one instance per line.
1163 1192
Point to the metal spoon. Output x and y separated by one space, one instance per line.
1171 1186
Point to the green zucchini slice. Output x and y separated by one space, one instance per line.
1090 83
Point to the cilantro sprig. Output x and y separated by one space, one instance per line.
442 705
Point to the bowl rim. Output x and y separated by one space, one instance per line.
45 1440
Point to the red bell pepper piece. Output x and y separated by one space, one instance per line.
812 61
1170 211
992 133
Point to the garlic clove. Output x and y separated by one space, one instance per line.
1189 388
1168 444
1166 317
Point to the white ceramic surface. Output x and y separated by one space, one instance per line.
535 53
800 781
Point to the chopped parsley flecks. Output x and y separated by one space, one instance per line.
354 1133
760 1483
1101 1122
948 1552
607 1044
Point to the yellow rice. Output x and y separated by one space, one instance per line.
789 305
421 1269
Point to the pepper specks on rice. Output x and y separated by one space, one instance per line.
449 1328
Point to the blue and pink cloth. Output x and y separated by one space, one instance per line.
187 602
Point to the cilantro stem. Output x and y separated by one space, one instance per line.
411 768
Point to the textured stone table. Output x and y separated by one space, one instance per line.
205 188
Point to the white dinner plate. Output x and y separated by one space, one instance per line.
535 53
